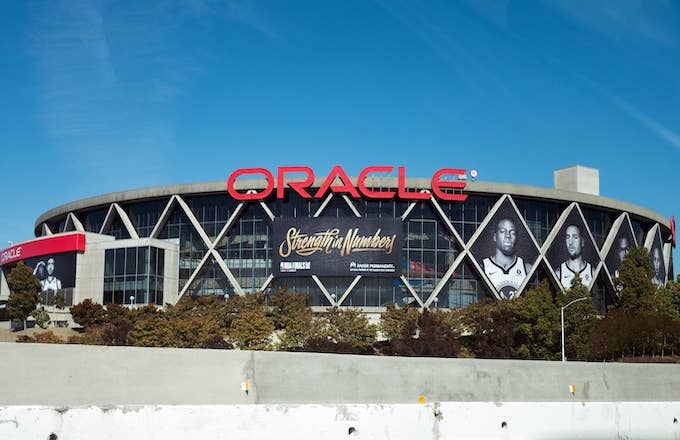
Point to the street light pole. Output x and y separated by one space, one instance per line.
564 356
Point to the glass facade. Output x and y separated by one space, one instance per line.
540 216
463 288
600 223
304 285
117 228
93 220
134 275
145 215
211 280
212 212
429 250
246 248
466 217
192 248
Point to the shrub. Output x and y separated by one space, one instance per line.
47 337
42 318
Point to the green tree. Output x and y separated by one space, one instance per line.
239 304
24 290
399 323
668 298
539 327
161 330
436 335
88 314
579 321
344 331
251 330
410 332
673 288
623 334
293 318
286 308
59 300
491 328
42 318
637 292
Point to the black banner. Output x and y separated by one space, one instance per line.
342 246
55 272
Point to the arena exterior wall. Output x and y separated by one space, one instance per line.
204 241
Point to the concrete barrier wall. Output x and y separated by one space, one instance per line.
86 392
74 375
437 421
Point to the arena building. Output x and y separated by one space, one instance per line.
446 241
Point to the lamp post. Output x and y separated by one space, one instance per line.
132 298
564 356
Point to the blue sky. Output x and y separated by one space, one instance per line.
103 96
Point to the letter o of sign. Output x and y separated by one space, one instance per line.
255 195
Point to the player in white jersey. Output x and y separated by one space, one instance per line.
575 264
51 282
506 281
567 275
505 270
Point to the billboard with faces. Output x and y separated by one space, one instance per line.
505 251
573 252
656 253
55 272
623 243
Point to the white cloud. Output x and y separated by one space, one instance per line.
623 19
650 123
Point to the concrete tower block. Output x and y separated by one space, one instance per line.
578 179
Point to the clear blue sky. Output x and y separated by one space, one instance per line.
103 96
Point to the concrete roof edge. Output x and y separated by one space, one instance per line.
384 182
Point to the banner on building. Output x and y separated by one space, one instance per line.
338 246
54 271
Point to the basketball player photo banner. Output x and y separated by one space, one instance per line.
55 272
505 251
573 252
624 242
656 252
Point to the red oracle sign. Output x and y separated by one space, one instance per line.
43 246
673 231
345 186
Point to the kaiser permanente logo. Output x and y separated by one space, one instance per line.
332 240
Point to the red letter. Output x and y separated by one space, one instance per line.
408 195
255 196
346 186
672 226
298 187
438 184
370 193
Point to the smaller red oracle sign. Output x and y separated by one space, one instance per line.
43 246
337 181
673 231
